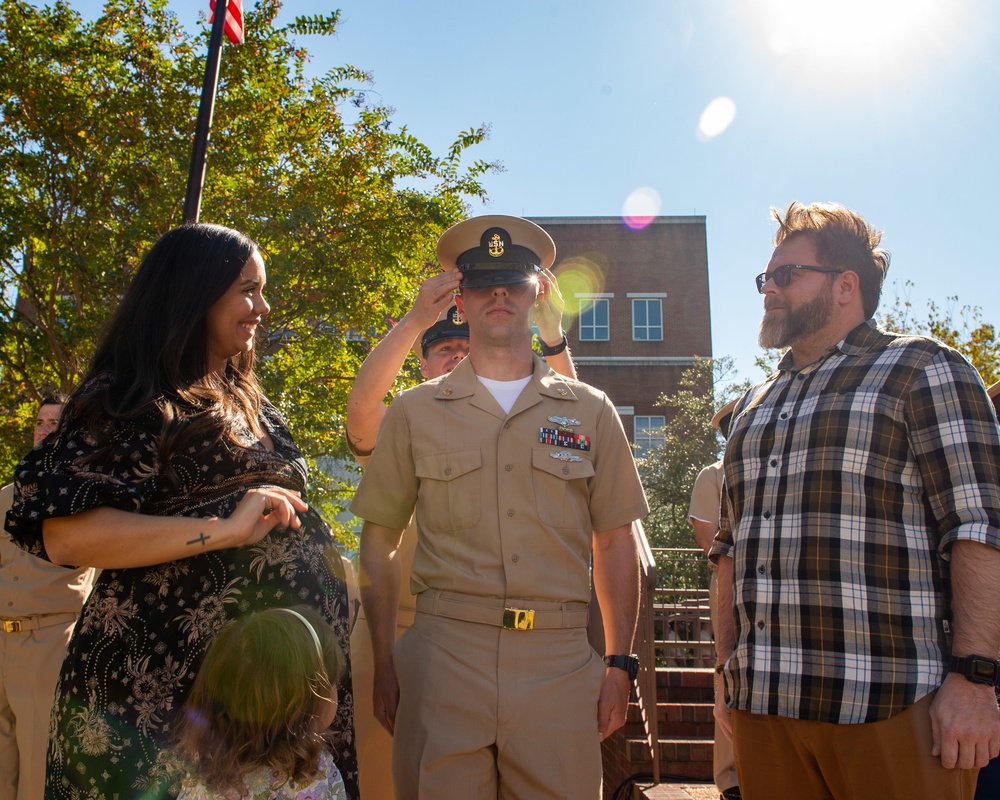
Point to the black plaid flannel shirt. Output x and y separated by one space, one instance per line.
845 482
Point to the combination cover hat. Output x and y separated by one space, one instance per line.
495 250
450 326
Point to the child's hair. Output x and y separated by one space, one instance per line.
255 702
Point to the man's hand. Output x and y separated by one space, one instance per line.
385 695
613 702
722 713
965 723
434 296
548 309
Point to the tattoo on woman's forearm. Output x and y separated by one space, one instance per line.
201 538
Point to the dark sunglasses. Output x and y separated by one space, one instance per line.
782 276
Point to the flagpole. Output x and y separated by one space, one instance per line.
199 150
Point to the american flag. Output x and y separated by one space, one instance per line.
234 20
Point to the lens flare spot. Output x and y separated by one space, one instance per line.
641 207
717 116
578 276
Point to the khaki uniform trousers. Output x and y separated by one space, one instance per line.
723 761
373 742
487 713
29 670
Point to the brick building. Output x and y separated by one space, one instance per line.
637 307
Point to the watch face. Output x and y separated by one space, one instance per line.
984 670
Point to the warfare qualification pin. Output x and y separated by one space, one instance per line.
565 455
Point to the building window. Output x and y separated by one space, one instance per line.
649 432
594 316
647 320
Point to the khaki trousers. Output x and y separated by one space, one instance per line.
487 713
30 662
723 761
777 757
373 742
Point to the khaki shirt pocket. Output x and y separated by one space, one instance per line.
451 489
561 491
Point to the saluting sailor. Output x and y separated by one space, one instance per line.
517 475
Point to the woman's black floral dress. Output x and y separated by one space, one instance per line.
142 633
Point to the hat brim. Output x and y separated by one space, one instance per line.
721 415
466 234
480 278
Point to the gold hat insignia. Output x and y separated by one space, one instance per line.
496 246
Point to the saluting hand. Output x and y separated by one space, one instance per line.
549 306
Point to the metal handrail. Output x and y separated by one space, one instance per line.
645 646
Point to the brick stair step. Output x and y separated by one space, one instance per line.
685 686
690 759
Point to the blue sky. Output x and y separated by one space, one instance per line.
887 106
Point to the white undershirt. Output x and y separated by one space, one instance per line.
505 392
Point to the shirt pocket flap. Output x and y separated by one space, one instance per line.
449 465
548 461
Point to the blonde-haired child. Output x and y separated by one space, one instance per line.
254 723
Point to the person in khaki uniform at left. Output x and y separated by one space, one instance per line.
703 514
39 605
517 475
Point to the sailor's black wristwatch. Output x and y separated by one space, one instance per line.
628 663
555 349
978 669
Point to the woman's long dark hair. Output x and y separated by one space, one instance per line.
153 351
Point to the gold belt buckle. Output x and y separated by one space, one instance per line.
12 626
518 619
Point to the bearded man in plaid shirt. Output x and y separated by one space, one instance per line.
859 543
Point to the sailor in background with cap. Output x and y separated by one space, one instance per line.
443 343
495 690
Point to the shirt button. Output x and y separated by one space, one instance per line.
760 569
565 470
774 462
784 415
563 392
508 467
510 512
767 515
515 558
17 577
447 470
801 377
447 392
506 426
760 624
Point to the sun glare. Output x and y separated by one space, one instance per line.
853 38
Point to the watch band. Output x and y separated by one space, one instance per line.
629 663
554 350
977 669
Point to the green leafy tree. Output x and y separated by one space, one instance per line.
668 471
96 125
961 327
